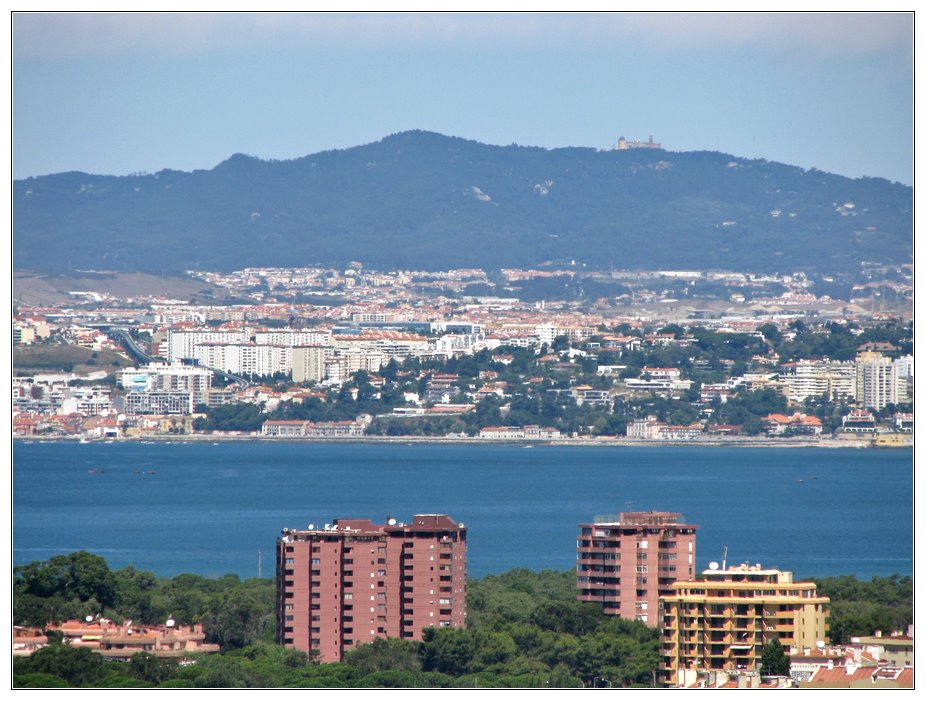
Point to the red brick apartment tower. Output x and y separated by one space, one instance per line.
626 565
352 581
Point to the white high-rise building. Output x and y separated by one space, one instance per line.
308 362
876 380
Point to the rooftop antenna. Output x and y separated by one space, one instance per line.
724 559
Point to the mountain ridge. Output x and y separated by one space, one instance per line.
420 199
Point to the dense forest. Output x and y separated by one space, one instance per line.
525 629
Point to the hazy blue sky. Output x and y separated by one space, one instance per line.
117 93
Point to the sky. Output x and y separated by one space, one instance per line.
112 93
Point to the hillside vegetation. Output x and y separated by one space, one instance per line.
419 200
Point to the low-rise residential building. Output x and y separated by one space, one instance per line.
859 421
517 433
895 648
903 422
159 402
120 641
644 429
679 433
319 429
796 424
853 676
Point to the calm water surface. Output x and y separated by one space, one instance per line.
210 508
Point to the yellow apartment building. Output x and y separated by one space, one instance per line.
723 620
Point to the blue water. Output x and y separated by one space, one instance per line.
209 508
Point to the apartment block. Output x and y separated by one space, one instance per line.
159 402
723 620
308 362
244 358
818 378
876 380
180 344
626 564
352 581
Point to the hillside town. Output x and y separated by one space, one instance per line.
514 355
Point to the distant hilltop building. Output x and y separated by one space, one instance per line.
623 144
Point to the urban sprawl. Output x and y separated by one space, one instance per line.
324 353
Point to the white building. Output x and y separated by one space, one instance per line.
244 358
159 402
308 362
876 380
818 378
292 337
161 376
182 343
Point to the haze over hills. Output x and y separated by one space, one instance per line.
420 200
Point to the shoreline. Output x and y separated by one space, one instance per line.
745 442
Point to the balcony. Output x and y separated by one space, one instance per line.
598 597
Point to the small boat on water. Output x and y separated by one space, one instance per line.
798 481
96 471
149 472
